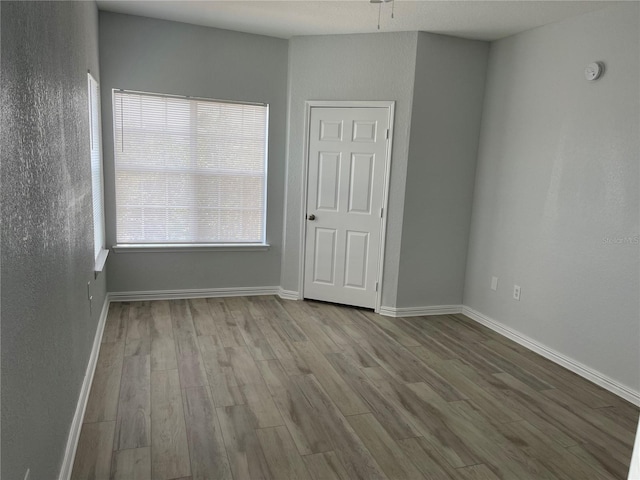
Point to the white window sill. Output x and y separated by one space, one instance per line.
190 247
100 261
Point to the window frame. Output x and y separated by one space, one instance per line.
100 252
178 246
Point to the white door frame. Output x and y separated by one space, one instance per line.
310 104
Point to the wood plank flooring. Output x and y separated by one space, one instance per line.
259 388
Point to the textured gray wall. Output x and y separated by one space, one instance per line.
138 53
47 239
556 207
349 67
445 127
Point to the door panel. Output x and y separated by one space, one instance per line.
325 256
345 193
328 180
360 183
330 130
357 252
364 131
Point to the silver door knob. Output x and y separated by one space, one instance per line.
311 217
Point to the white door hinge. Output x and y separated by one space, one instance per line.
376 286
387 134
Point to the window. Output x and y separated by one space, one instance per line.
95 139
189 171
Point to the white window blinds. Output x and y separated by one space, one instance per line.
95 137
189 171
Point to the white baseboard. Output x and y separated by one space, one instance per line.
634 469
195 293
420 311
576 367
288 294
76 424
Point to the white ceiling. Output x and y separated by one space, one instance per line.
477 19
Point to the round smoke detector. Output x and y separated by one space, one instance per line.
593 71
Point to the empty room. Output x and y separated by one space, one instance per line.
369 239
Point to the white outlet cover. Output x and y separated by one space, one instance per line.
494 283
516 292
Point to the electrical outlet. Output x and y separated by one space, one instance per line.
494 283
516 292
26 474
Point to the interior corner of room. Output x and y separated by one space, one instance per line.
512 195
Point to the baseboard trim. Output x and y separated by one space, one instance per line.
288 294
634 469
76 424
576 367
420 311
195 293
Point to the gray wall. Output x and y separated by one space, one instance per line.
47 228
556 205
138 53
349 67
445 126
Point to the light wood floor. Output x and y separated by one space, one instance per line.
263 388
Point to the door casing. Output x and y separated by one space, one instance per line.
309 105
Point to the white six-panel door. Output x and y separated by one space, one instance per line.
345 195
